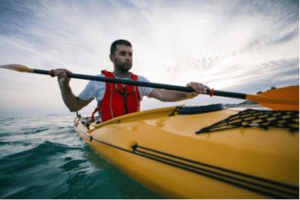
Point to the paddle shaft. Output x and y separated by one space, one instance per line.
286 98
145 84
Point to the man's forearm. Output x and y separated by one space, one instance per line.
68 97
170 95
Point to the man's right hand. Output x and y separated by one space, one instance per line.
62 76
72 102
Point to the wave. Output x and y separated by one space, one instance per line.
34 172
43 158
46 148
31 130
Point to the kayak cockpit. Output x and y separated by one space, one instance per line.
152 115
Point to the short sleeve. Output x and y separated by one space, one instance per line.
88 93
144 91
93 89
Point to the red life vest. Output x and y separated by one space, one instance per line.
118 100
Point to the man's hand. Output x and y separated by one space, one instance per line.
62 77
72 102
198 87
170 95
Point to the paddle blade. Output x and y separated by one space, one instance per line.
18 68
286 98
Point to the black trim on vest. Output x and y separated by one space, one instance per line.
125 95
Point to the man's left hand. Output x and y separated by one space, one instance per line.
198 87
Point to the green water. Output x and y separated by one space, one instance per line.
44 158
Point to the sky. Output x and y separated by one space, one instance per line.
242 46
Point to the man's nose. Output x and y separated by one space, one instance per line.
128 57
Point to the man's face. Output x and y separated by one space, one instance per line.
122 58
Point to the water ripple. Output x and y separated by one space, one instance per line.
45 159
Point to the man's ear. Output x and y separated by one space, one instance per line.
111 57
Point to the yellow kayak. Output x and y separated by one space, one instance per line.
203 151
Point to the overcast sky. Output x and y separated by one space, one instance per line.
232 45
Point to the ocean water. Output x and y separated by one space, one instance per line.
44 158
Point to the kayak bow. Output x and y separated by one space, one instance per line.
247 154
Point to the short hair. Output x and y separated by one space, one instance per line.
113 47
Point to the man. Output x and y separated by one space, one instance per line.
116 99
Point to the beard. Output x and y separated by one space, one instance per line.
123 67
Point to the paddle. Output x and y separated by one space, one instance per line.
278 99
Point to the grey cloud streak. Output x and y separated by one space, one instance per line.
235 44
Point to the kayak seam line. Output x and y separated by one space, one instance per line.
223 169
103 142
218 173
224 180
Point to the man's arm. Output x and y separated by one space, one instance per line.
72 102
170 95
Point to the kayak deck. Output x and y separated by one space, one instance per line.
161 150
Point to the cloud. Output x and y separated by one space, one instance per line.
226 44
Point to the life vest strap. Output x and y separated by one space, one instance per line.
125 95
96 110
